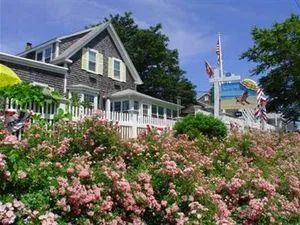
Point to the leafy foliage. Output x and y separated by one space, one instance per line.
195 125
157 65
82 173
276 53
24 93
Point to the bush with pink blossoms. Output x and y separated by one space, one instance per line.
83 173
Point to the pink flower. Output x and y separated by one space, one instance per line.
84 173
10 140
107 205
48 219
265 186
187 171
2 161
21 174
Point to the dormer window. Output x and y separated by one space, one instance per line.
47 55
44 55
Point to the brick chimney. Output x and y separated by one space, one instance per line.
28 46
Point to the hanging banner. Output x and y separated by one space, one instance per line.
238 94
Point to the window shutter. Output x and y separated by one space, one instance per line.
110 67
123 71
84 59
99 63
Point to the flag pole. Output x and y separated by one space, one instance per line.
221 58
217 80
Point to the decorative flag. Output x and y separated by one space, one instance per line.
260 111
209 69
16 121
218 52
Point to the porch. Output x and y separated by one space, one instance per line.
132 118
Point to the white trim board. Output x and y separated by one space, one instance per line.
32 63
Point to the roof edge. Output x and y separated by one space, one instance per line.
75 47
130 92
32 63
44 44
125 55
51 41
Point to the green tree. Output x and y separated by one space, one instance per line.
157 65
276 51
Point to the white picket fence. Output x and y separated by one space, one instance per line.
244 123
130 124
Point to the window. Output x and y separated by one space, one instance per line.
88 100
145 110
92 60
117 69
39 56
44 55
175 114
136 105
117 106
169 113
154 111
125 105
47 55
160 112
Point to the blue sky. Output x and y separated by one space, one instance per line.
192 25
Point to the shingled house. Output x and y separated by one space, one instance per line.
93 64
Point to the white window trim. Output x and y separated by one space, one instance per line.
88 60
43 51
120 61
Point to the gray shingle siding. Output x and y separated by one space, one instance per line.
104 44
30 74
67 42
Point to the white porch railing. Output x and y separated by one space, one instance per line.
247 121
130 124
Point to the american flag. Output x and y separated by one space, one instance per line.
218 52
208 69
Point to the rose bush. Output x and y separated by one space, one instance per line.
83 173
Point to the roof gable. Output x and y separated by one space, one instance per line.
51 41
78 45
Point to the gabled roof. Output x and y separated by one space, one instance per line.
91 33
78 45
53 40
132 93
75 47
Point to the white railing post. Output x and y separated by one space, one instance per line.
133 119
107 109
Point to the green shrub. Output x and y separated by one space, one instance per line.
195 125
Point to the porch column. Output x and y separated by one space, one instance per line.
81 99
133 119
131 104
107 108
96 102
165 113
